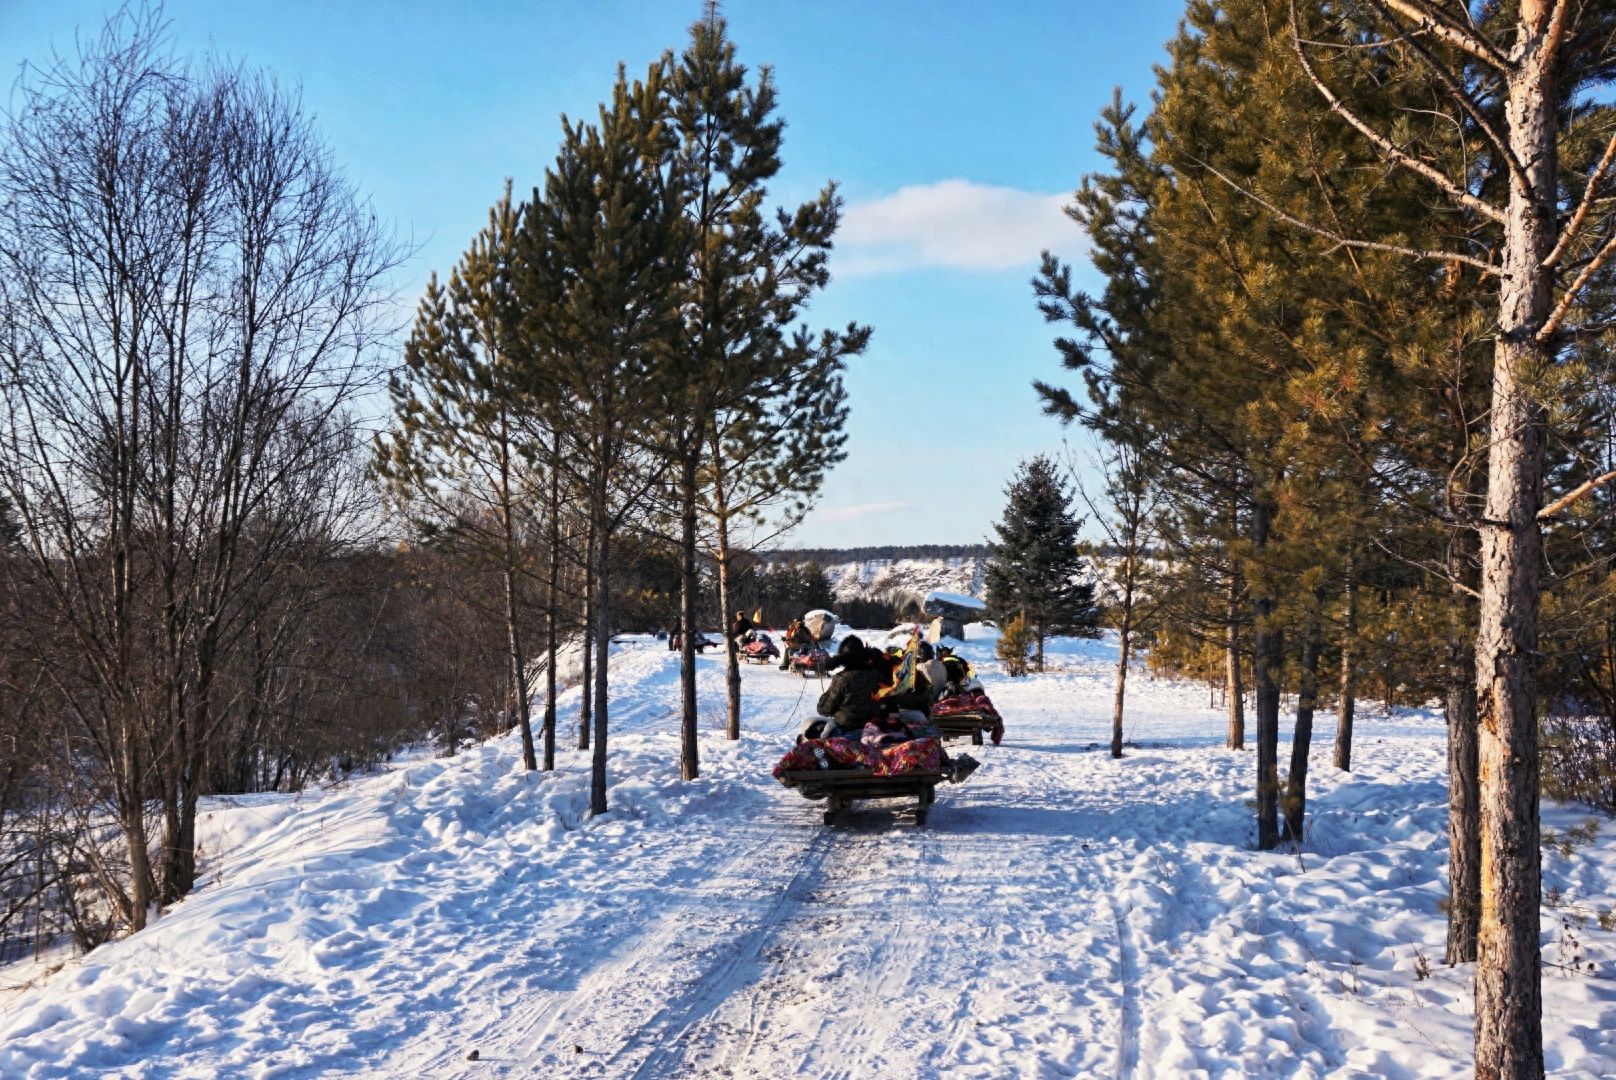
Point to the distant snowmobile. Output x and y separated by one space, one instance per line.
814 661
759 649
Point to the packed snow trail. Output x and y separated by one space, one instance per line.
1062 914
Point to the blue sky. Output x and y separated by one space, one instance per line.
955 129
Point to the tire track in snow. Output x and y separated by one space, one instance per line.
674 1024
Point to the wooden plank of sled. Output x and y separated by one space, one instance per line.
839 775
859 783
963 722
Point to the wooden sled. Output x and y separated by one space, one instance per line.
961 725
841 787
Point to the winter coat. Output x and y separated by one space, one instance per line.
799 636
850 699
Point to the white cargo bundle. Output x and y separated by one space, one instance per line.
820 623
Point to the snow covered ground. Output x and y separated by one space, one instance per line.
1062 915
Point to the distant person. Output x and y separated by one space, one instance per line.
798 638
961 679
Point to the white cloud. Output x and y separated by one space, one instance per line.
849 513
955 224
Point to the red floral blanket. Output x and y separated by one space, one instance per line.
968 702
916 755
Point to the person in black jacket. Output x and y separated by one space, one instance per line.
850 699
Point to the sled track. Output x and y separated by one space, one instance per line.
694 995
541 1031
732 1040
1128 976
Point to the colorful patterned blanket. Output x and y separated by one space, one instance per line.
969 702
916 755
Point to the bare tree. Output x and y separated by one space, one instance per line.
1126 512
190 303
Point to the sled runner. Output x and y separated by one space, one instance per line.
840 788
963 725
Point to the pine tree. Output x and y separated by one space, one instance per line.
746 280
460 456
1035 570
602 252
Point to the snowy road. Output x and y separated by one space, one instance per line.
1062 915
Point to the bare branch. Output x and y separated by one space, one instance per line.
1466 103
1575 225
1345 241
1558 315
1431 21
1387 148
1574 494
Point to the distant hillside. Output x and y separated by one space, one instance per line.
891 552
894 575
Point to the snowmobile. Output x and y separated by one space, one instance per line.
759 649
814 661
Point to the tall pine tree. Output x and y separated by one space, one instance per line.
747 277
1035 569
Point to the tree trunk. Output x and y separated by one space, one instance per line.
134 828
1464 781
689 761
513 640
1347 702
1234 691
1464 802
1122 683
603 641
731 653
587 696
1268 653
1509 992
1307 698
552 608
1124 639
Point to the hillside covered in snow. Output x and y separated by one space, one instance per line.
1062 914
873 579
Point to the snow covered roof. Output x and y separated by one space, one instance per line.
957 599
